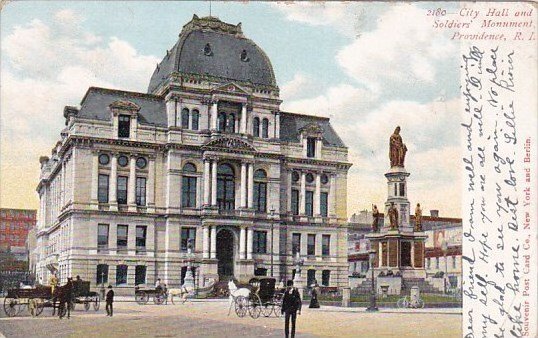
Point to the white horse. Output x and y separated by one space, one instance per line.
235 292
182 293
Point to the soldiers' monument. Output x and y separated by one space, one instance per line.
399 245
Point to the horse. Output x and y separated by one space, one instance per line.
182 293
236 292
64 296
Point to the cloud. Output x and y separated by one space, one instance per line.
44 68
403 47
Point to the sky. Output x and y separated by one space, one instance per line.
367 66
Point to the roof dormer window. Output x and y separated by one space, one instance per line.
207 50
244 56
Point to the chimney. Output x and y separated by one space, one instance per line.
434 213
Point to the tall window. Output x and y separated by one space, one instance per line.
102 188
122 189
222 122
325 277
265 128
296 243
186 235
124 125
437 262
102 274
453 262
260 242
323 203
260 190
311 147
188 186
309 201
141 234
121 274
195 120
311 277
140 191
230 125
121 241
140 274
256 127
102 236
225 187
185 118
326 245
311 245
295 201
428 263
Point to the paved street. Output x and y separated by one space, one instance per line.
209 319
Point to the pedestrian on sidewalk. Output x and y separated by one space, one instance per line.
109 301
314 293
291 304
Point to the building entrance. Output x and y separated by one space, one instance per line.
225 254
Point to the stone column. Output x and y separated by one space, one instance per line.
112 191
288 188
243 185
251 185
205 244
317 196
250 236
243 128
380 255
151 185
277 125
332 196
214 183
207 181
214 241
302 194
242 236
131 192
95 181
319 143
214 107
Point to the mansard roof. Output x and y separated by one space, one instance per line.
208 46
291 125
96 102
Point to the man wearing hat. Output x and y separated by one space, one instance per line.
291 303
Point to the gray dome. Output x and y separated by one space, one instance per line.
208 46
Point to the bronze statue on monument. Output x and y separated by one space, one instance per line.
393 217
397 149
375 222
418 218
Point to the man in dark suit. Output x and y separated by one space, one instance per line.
291 304
109 301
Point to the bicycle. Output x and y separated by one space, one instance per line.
407 302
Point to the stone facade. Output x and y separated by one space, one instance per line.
200 157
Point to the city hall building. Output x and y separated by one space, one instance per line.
204 160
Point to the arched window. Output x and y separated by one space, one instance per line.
188 186
256 127
260 190
265 128
222 122
185 118
230 126
195 119
225 187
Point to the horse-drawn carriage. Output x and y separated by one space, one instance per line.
142 295
40 297
262 298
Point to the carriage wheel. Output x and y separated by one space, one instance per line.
87 301
159 298
267 309
141 297
241 306
12 306
96 303
255 307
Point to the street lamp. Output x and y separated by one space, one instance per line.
272 238
102 285
444 248
373 305
189 279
